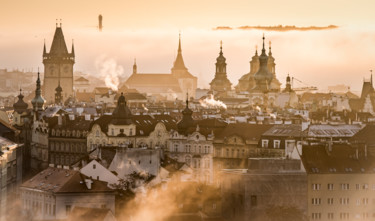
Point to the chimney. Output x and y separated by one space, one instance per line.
88 183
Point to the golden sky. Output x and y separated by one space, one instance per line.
148 30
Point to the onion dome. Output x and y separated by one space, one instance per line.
38 101
122 114
221 58
187 119
20 106
263 77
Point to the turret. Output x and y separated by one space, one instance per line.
20 106
38 101
187 119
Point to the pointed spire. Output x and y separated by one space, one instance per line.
135 66
270 53
256 50
221 47
44 48
179 62
187 99
179 43
73 47
263 49
371 77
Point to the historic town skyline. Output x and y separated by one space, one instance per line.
332 54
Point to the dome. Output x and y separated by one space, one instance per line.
121 115
20 106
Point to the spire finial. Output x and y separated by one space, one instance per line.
179 42
135 61
60 22
20 91
263 49
56 23
187 99
371 76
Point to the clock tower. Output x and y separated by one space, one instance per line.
58 67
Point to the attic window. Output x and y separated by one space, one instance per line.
94 166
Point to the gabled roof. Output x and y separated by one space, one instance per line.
82 79
285 130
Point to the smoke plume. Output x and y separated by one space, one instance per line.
210 102
109 71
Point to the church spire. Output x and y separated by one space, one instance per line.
263 49
179 62
44 48
38 101
135 66
73 48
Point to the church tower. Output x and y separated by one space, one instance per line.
221 81
38 101
58 67
186 81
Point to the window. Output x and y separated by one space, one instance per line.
265 143
316 186
330 215
357 186
316 201
330 201
67 209
276 144
345 186
365 201
253 199
344 216
316 216
131 132
365 186
97 133
344 201
113 132
330 186
94 166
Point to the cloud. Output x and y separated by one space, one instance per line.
279 28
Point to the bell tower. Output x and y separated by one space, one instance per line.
58 67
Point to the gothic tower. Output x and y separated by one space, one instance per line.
221 81
58 67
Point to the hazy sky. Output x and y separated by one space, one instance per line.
149 30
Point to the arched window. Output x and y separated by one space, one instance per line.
97 133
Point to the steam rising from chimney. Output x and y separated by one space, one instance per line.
109 71
210 102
